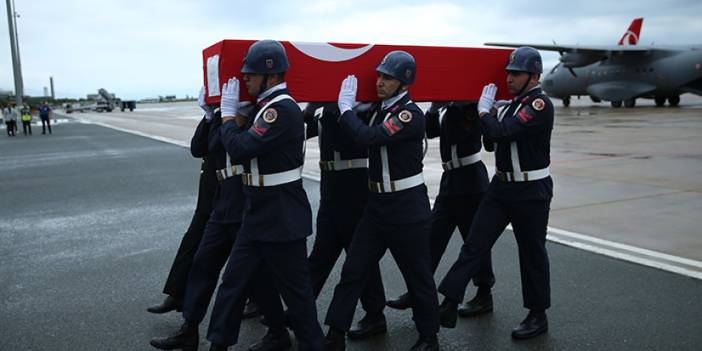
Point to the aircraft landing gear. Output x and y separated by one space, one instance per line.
566 101
629 103
674 101
617 104
594 99
660 101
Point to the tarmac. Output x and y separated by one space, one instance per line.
91 218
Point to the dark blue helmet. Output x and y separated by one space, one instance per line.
400 65
265 57
525 59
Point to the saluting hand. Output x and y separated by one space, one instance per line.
203 104
229 104
347 94
487 99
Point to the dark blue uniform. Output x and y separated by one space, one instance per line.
396 217
220 232
344 194
277 221
178 276
463 182
520 193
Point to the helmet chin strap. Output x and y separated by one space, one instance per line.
264 84
521 91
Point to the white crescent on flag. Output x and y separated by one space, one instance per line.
328 52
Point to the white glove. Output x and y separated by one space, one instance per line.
487 99
347 94
203 104
230 98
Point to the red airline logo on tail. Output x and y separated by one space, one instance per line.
631 37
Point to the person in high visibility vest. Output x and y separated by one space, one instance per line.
26 119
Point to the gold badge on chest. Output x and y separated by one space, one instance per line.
405 116
270 115
538 104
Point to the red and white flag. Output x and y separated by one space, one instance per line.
317 70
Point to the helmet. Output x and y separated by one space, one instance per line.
265 57
400 65
525 59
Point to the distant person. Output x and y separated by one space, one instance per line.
10 118
44 115
26 119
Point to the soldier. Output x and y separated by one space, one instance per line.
397 214
344 193
277 213
178 276
520 193
45 116
216 244
463 184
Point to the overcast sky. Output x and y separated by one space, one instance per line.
146 48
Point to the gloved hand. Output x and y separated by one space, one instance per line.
347 94
487 99
436 106
229 104
203 105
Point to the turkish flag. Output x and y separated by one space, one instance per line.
317 70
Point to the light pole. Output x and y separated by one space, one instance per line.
14 46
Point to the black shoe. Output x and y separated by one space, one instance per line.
187 339
168 305
480 304
534 324
274 340
335 340
447 313
214 347
251 310
426 343
368 326
402 302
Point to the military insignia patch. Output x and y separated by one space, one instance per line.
405 116
538 104
270 115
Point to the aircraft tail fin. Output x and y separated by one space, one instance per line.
631 36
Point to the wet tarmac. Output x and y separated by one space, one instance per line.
90 219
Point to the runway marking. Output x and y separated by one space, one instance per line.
607 248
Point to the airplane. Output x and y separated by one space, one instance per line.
623 72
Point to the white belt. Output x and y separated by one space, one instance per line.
225 173
461 162
396 185
261 180
340 165
524 176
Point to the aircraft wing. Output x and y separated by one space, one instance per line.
592 49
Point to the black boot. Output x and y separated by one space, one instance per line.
215 347
369 325
251 310
447 313
274 340
187 339
402 302
335 340
426 343
169 304
480 304
534 324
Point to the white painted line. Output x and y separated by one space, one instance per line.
552 235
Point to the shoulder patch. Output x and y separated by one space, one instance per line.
270 115
538 104
405 116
